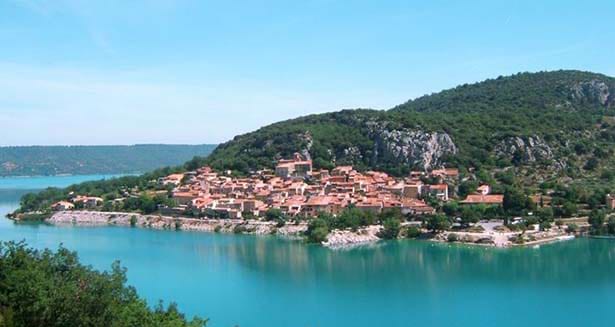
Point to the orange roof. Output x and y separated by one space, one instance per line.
319 201
414 203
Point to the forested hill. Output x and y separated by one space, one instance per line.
112 159
547 124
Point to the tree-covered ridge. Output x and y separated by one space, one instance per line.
45 288
79 160
564 117
541 90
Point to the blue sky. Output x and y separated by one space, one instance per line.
162 71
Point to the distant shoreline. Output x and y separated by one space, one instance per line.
70 175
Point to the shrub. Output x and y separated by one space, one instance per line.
413 232
572 228
545 225
391 229
452 237
317 231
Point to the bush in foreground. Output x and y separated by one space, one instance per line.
46 288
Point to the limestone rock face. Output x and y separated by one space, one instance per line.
593 91
416 148
309 141
528 150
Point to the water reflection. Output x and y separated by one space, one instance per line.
409 263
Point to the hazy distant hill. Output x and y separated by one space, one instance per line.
112 159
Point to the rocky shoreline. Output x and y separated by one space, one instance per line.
335 239
256 227
97 218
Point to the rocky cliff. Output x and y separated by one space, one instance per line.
414 148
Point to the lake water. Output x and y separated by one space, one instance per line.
266 281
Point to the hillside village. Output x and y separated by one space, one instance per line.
334 204
299 191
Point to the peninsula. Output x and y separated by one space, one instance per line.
338 207
512 160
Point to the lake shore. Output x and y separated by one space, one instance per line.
335 239
98 218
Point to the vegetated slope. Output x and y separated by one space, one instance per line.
547 124
112 159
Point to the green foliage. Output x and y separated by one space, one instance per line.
318 229
274 214
515 201
82 160
108 189
544 225
467 187
45 288
413 232
596 221
470 215
569 209
391 228
610 226
437 223
452 237
545 214
572 228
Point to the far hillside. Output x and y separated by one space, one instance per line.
107 159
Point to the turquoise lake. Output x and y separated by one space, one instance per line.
266 281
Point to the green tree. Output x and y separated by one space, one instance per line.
391 228
569 209
514 201
318 230
610 225
469 215
451 208
467 187
572 228
438 222
413 232
545 214
274 214
596 220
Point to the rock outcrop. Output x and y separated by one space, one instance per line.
415 148
593 91
527 150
